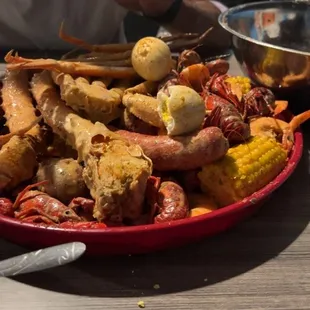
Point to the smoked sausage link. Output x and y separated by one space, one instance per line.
181 152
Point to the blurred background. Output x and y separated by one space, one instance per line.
137 26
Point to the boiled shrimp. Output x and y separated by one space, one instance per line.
278 129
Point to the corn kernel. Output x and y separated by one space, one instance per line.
242 81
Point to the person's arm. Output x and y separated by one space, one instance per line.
193 16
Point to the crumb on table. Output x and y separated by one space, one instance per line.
141 304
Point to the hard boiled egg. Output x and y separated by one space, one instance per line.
181 109
151 58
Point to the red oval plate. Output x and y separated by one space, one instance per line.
149 238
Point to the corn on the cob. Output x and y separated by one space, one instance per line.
243 82
245 169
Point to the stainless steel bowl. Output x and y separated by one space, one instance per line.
271 41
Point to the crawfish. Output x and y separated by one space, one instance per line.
194 76
260 101
84 207
220 66
218 86
167 199
36 206
193 73
227 117
187 58
191 57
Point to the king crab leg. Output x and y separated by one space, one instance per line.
77 68
185 40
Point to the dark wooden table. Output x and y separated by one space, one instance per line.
264 263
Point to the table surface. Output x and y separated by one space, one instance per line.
263 263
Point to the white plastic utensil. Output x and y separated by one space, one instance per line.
42 259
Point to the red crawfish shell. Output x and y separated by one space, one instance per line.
259 101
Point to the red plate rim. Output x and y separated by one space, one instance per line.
255 198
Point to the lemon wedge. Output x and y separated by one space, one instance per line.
181 109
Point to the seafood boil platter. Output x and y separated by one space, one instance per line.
130 149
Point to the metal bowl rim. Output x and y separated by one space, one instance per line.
223 16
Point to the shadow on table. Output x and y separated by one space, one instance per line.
243 248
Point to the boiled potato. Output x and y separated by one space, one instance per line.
151 58
64 178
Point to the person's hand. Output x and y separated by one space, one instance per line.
147 7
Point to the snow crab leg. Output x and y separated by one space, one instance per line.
190 43
96 56
138 102
92 99
117 48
